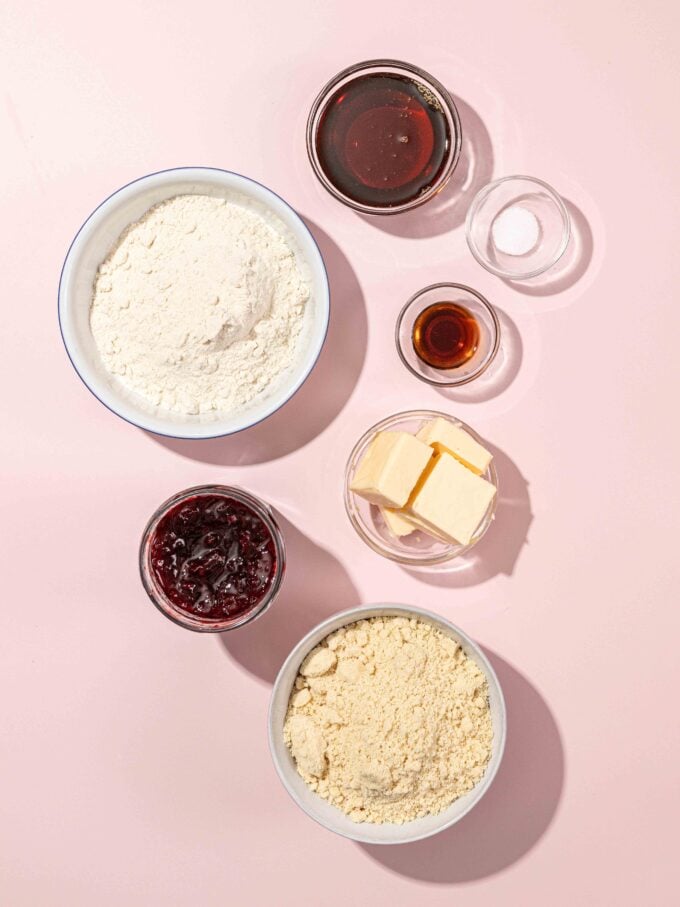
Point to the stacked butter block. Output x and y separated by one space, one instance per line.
430 481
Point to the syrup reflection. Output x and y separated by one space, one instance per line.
447 210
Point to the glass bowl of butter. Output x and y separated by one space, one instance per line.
420 488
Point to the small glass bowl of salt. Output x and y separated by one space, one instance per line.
517 227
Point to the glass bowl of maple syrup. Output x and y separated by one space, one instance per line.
447 334
418 548
383 137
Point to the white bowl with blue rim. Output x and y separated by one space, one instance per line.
93 243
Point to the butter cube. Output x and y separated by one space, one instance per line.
397 523
445 436
390 468
419 524
451 501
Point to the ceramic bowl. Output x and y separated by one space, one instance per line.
93 243
321 810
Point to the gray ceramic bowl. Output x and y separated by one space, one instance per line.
322 811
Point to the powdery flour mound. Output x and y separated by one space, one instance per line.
199 306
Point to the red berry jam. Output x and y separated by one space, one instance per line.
213 557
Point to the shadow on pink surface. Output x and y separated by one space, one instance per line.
572 265
499 375
499 550
447 210
517 809
321 398
315 586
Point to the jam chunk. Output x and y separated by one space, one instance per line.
213 557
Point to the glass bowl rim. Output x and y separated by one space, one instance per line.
404 559
481 196
266 514
496 334
430 82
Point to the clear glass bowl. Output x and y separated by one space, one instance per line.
489 334
190 621
547 216
430 86
417 549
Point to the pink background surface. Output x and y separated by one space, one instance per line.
134 760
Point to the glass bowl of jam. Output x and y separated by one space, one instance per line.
383 136
447 334
212 558
416 548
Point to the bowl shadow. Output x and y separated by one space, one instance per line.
447 210
571 266
499 375
499 550
323 395
515 812
315 586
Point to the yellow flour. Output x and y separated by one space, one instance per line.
389 720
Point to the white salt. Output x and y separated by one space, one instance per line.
515 231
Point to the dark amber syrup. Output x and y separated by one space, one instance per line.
445 335
382 140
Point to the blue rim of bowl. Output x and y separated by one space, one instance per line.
248 179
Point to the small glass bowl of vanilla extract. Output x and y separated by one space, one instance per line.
383 136
447 334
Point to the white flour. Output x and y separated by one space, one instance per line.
199 306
